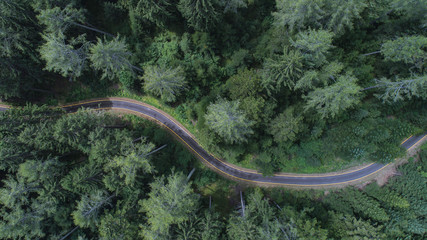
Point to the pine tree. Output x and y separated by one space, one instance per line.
348 227
89 208
200 14
299 15
158 12
209 226
131 163
286 126
314 44
331 100
410 50
170 202
230 123
110 57
68 59
282 70
167 83
58 21
402 89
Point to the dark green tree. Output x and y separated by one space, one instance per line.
286 126
58 21
200 14
348 227
157 12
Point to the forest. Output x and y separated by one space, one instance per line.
302 86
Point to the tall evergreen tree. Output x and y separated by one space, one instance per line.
200 14
282 70
167 83
89 208
230 123
170 202
331 100
68 59
110 57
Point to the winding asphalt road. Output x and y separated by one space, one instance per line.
222 167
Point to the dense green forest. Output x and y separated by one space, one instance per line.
287 85
92 175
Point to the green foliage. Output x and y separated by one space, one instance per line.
386 196
331 100
200 14
346 226
210 226
89 208
286 126
13 35
298 15
403 89
19 37
170 202
328 14
68 59
127 79
268 58
412 11
230 123
246 86
167 83
110 57
116 226
282 70
157 12
410 50
132 162
58 21
314 44
361 204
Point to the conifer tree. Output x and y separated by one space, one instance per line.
89 208
200 14
68 59
331 100
230 123
110 57
170 202
167 83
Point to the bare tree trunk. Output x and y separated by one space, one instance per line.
69 233
93 29
158 149
190 174
243 204
136 68
371 53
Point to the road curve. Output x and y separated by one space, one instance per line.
224 168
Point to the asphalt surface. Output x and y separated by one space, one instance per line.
222 167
